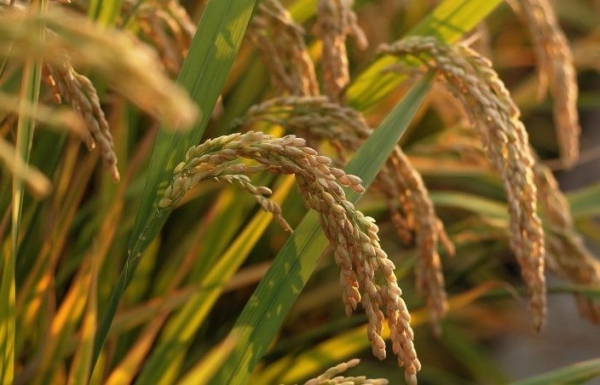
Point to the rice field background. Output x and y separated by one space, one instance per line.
303 191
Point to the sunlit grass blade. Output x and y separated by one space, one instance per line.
450 21
578 373
215 45
81 365
204 72
7 312
63 326
470 202
266 309
203 372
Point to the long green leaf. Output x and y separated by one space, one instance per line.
215 45
266 309
470 202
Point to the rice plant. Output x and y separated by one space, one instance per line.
405 153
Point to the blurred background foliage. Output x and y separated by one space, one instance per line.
201 264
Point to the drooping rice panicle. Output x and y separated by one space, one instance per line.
79 92
352 236
473 81
566 252
280 41
556 70
168 26
335 21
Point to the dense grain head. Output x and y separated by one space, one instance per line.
470 77
429 229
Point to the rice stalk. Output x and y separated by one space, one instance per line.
29 93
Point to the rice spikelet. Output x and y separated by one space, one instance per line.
335 21
280 41
352 236
473 81
555 69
